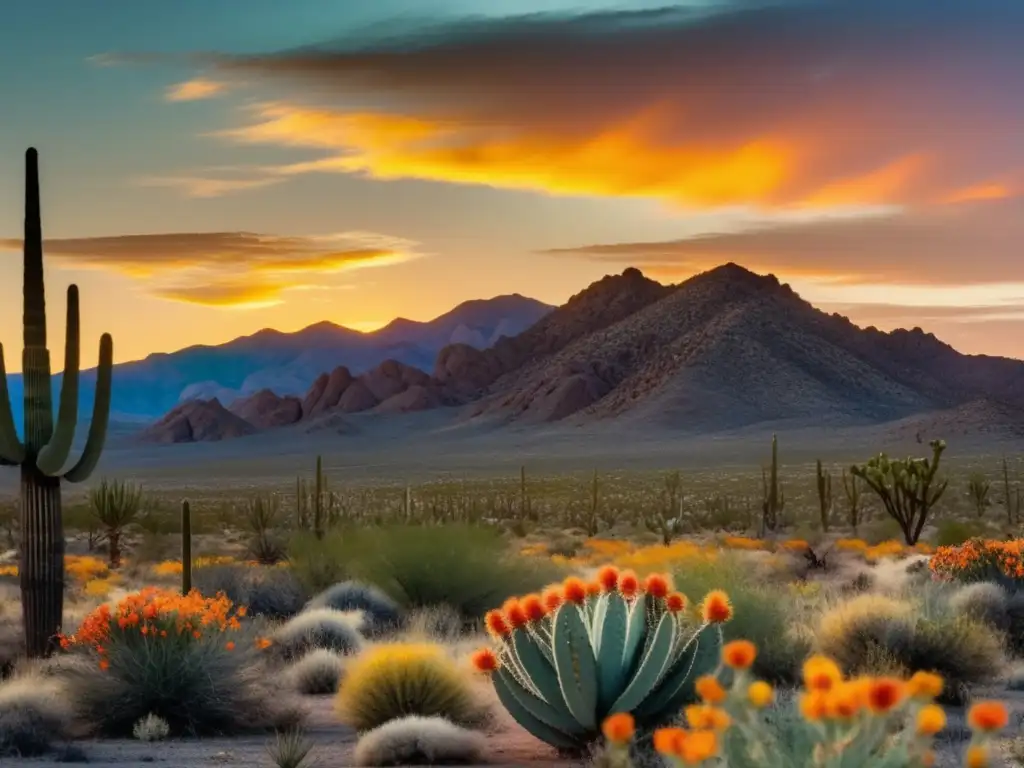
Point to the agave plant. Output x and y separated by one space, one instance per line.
569 658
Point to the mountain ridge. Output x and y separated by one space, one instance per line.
726 348
289 362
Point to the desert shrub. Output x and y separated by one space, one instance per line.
982 560
873 630
12 645
955 532
151 728
189 660
441 624
396 680
381 612
876 721
416 740
267 591
318 672
319 628
33 714
291 749
983 601
466 567
320 563
760 615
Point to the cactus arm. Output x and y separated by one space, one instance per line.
610 674
575 664
653 667
54 454
550 707
511 695
12 452
100 415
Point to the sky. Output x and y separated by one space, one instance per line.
213 167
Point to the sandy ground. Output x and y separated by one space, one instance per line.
507 747
433 445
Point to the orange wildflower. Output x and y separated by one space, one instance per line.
574 591
619 728
739 654
656 585
629 585
716 607
608 577
709 689
885 694
484 660
675 602
988 716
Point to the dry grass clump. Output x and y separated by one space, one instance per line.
764 617
33 714
151 728
394 680
416 740
207 685
872 633
268 591
984 601
382 613
466 567
319 628
317 673
12 645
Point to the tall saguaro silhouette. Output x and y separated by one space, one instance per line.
45 446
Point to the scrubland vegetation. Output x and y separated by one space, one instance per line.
607 621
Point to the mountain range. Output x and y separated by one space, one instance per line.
725 349
288 363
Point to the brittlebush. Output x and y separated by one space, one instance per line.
877 722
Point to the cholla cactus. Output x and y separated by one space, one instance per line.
905 487
571 657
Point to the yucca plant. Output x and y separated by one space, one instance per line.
115 505
571 657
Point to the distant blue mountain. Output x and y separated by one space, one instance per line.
288 363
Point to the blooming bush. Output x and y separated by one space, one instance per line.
188 659
981 560
865 721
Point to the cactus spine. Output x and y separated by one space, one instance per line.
824 482
186 548
47 445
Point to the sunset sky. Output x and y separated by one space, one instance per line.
213 167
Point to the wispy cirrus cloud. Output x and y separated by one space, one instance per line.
207 186
789 104
228 269
948 245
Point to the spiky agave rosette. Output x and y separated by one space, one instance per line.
567 659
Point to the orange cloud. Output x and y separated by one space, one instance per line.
778 106
194 90
221 269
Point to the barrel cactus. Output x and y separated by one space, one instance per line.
567 659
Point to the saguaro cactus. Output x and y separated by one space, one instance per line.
47 446
186 548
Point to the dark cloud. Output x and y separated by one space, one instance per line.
809 103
